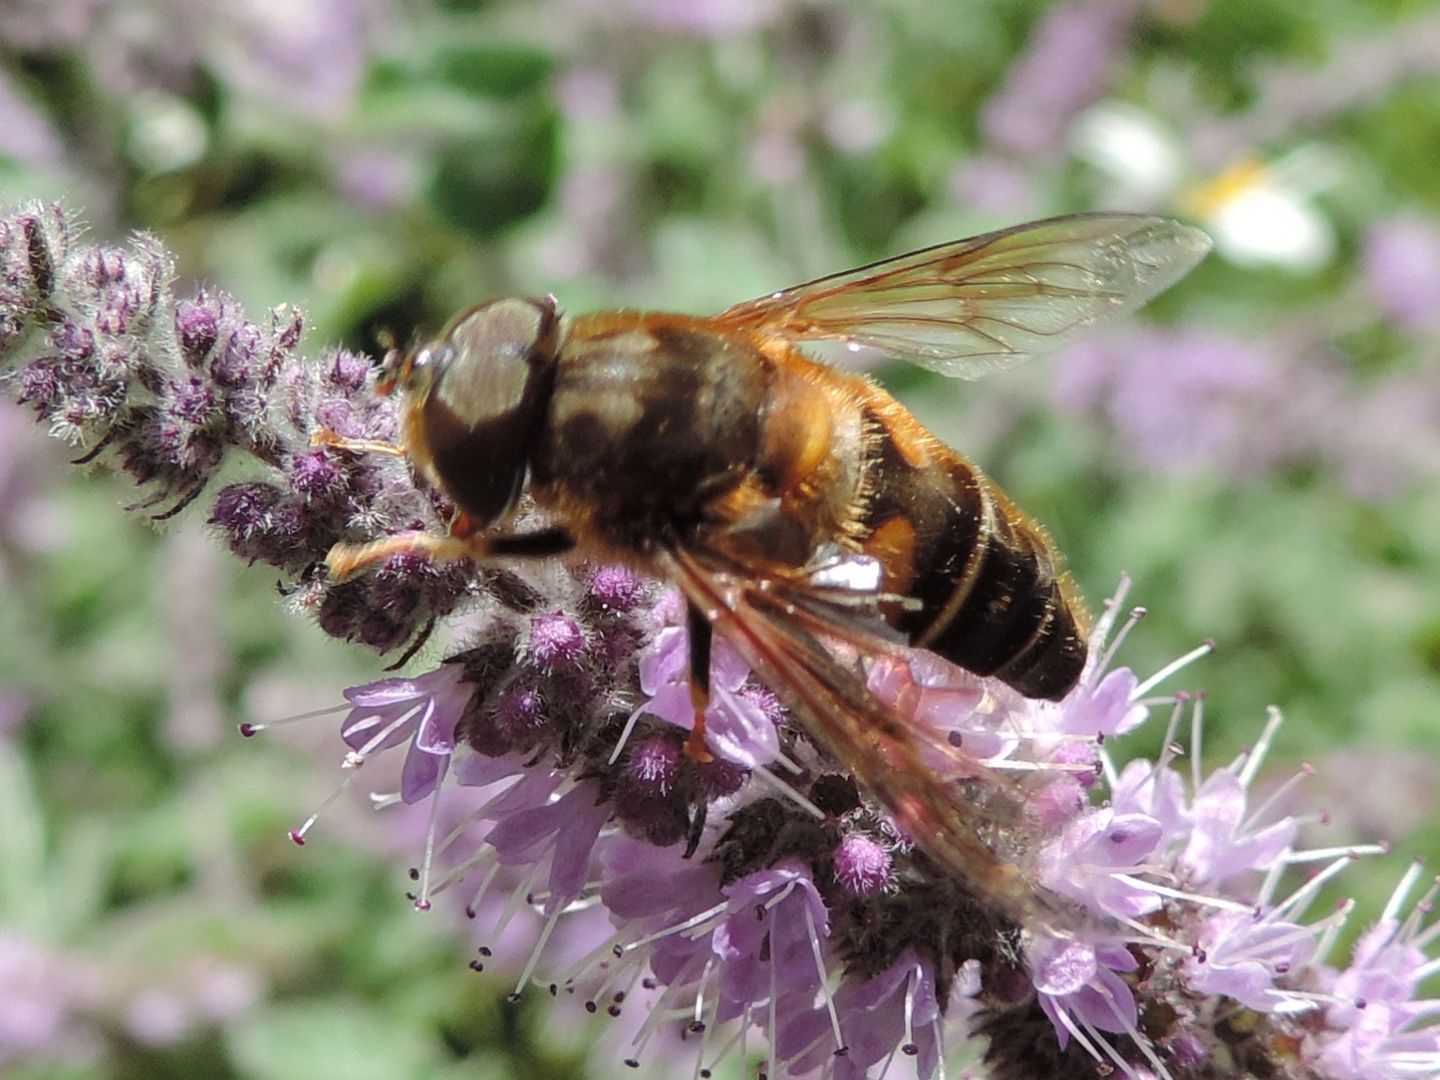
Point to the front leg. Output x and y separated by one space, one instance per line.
323 436
347 560
700 634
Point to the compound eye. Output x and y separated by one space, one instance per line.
490 375
489 362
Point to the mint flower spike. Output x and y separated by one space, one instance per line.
172 389
761 893
734 908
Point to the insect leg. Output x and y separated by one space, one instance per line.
323 436
346 560
698 628
540 544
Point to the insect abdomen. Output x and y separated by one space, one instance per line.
993 599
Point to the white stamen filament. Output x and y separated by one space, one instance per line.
485 856
384 733
1078 1034
1171 668
1352 851
1217 902
697 1016
1401 891
634 972
910 980
1250 823
1301 897
518 897
298 835
1197 744
624 737
249 729
730 1044
690 924
540 943
772 1067
422 897
824 981
1107 620
772 901
1257 754
606 948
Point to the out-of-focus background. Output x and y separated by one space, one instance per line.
1260 451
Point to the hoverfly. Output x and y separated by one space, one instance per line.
794 504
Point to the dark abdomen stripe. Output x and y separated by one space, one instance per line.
990 594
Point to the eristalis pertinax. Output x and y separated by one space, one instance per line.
797 506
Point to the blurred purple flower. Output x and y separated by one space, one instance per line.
13 707
376 178
41 994
309 57
1392 441
1191 398
170 1006
48 24
25 134
992 184
1073 53
1401 262
709 18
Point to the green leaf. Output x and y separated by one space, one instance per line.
482 186
498 70
303 1040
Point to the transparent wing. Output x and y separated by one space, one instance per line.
969 306
778 627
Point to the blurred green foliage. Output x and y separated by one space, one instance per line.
383 164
